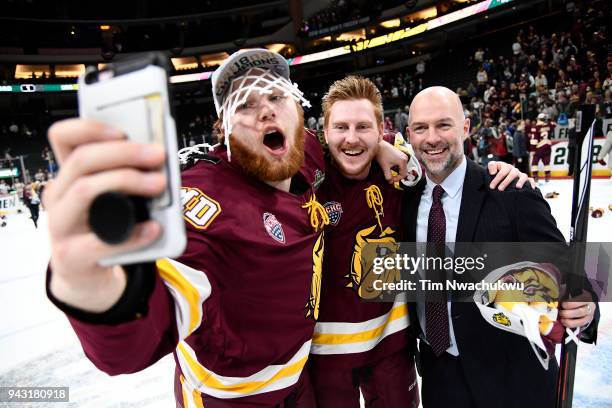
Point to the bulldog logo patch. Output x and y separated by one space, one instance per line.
502 319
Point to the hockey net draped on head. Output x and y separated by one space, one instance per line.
260 80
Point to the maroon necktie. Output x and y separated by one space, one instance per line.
436 313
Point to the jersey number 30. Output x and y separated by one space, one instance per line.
198 208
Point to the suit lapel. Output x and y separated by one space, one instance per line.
472 198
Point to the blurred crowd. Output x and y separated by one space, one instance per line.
539 77
343 11
529 73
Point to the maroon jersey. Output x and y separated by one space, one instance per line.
498 145
238 308
540 136
531 131
350 332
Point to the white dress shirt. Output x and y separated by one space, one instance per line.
451 202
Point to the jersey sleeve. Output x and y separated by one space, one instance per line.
181 290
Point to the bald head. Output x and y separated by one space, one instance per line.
440 96
437 127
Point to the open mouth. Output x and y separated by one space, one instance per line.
275 141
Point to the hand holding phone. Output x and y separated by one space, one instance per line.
134 98
112 150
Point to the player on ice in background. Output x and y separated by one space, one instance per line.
539 136
358 345
32 201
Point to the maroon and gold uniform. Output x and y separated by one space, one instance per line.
238 308
540 144
357 343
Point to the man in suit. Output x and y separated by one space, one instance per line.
464 360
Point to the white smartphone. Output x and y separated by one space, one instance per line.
133 96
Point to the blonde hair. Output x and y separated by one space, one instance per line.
350 88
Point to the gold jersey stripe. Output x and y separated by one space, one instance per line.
172 276
346 338
232 387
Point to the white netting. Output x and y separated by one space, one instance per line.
199 149
261 80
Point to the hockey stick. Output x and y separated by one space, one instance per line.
578 237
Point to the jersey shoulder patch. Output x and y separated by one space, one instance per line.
199 209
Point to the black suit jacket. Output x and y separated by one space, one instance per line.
500 368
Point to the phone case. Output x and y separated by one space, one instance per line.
134 97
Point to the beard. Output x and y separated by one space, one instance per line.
265 169
438 169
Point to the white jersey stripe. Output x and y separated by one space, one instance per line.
271 378
346 338
190 288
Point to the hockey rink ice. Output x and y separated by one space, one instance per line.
38 347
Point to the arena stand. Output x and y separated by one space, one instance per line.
400 70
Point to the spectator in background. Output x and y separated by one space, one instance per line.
472 90
488 93
8 158
311 123
565 108
47 155
516 46
519 148
550 109
606 105
498 148
320 123
607 83
39 176
420 68
400 120
482 78
388 124
606 150
540 81
479 55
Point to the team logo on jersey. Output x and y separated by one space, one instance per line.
502 319
273 227
319 177
368 247
198 209
334 212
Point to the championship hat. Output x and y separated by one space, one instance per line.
239 63
247 71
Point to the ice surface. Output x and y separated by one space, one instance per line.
38 347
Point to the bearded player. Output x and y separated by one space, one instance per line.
238 308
